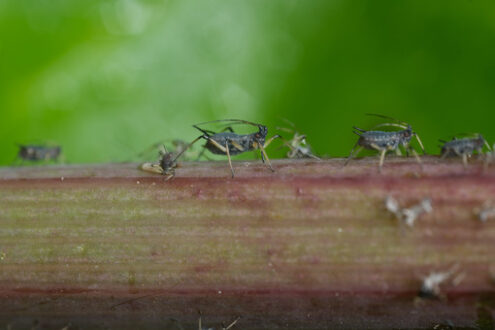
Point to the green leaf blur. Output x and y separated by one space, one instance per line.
106 79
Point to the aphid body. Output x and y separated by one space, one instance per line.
38 152
384 141
464 147
230 143
298 146
236 143
166 165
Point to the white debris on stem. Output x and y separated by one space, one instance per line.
408 215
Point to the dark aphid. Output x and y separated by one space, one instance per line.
230 143
383 141
464 147
35 153
298 146
166 165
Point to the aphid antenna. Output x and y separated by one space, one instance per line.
387 117
288 122
392 125
188 146
163 150
285 129
233 121
420 143
357 130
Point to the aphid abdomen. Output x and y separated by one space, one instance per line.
233 140
379 140
37 153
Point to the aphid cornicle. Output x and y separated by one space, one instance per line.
230 143
464 147
35 153
384 141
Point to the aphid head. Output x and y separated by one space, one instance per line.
263 131
27 152
167 161
408 133
260 136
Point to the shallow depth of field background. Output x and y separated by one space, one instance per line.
107 78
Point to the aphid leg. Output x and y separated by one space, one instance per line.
265 157
228 156
201 154
418 159
267 142
354 153
383 152
382 159
465 160
205 136
151 168
223 149
479 152
236 145
399 153
444 155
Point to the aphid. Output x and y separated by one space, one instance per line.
464 147
408 215
166 165
430 285
230 143
223 326
35 153
298 146
383 141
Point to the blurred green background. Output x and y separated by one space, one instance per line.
105 79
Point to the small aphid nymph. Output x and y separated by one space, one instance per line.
464 147
298 146
230 143
36 153
385 141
